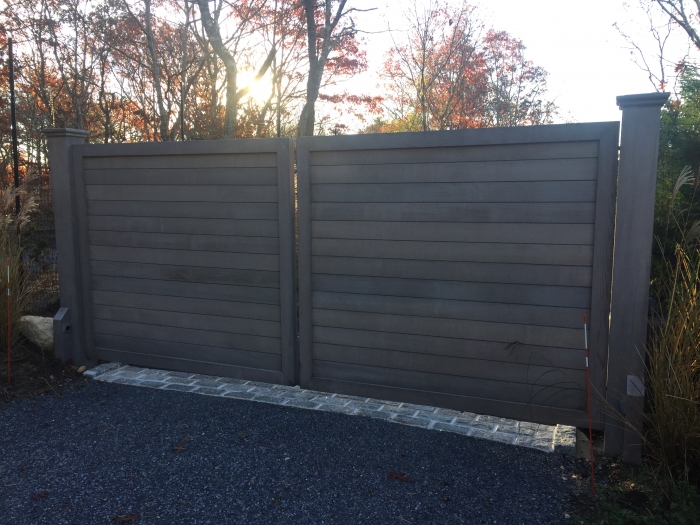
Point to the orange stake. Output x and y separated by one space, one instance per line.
9 324
588 393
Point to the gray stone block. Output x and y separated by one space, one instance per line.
239 395
364 406
275 400
182 375
302 403
179 388
494 436
209 391
372 413
338 409
401 411
457 429
412 421
207 384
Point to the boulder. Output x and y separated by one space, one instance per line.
39 330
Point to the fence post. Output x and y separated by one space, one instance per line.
70 344
634 225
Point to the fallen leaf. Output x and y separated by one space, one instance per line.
241 436
178 448
127 518
398 475
277 502
39 495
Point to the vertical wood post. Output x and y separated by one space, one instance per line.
61 142
634 225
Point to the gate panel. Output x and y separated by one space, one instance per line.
187 256
454 268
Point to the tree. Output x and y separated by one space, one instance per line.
687 17
516 87
246 13
435 78
326 35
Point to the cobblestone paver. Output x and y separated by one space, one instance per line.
559 438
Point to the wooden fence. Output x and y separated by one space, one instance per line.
447 268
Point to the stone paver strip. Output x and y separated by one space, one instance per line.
559 438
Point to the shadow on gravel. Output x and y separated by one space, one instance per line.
109 453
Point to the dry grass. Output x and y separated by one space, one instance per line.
673 375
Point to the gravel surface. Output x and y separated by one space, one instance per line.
108 453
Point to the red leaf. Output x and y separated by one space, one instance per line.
39 495
400 476
127 518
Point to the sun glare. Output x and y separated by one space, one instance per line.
260 90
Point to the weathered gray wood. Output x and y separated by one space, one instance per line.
186 241
236 227
565 358
242 261
169 350
165 303
452 328
191 274
447 309
215 323
556 213
464 367
455 232
195 211
454 271
632 262
531 192
60 143
567 297
287 266
565 150
492 171
220 292
561 254
252 343
514 410
173 193
560 397
182 176
204 161
192 366
558 133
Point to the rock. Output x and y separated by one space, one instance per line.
82 369
39 330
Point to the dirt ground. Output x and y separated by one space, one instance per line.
34 373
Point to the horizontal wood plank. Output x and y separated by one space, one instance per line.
551 150
214 323
190 305
187 274
219 292
561 397
517 233
242 261
196 161
566 297
186 210
452 366
191 352
565 358
186 241
452 328
490 192
251 343
237 227
556 213
181 193
183 176
454 271
447 309
490 171
561 254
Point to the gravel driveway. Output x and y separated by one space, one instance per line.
108 453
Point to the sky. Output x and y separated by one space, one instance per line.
588 61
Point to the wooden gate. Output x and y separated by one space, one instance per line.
454 268
186 256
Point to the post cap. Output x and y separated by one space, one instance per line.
65 132
643 99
